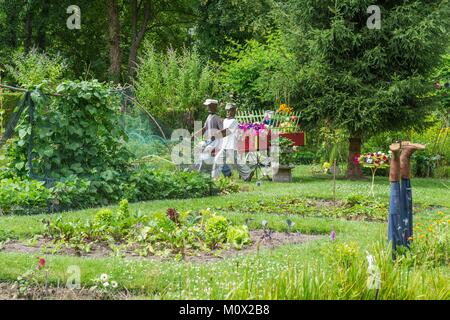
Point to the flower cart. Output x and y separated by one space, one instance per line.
257 128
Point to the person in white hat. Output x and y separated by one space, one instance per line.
228 154
213 122
213 125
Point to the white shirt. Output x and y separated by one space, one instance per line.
229 141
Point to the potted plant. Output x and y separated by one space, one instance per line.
282 169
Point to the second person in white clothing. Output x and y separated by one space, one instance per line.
228 153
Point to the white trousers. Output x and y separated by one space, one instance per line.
234 160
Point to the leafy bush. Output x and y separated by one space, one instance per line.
23 196
226 185
33 68
72 193
71 131
150 184
172 85
80 193
304 157
248 72
104 216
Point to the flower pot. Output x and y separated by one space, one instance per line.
282 173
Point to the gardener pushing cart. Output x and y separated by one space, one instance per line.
228 154
210 147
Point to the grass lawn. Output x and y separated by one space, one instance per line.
320 269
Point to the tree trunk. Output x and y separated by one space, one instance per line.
354 170
29 30
12 24
137 35
41 32
114 40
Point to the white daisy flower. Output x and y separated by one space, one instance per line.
114 284
104 277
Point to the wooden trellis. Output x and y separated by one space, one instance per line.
252 116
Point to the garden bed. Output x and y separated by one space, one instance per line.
259 240
355 207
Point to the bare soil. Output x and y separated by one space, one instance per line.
260 240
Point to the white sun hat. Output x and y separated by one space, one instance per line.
230 106
210 101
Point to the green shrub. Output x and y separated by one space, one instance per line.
150 184
249 72
173 85
72 193
226 185
23 196
70 132
427 164
304 157
77 193
32 68
104 216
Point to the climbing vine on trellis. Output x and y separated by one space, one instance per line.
75 133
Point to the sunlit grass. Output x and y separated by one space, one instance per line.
305 271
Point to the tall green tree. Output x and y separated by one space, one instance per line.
220 21
131 22
362 79
41 24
